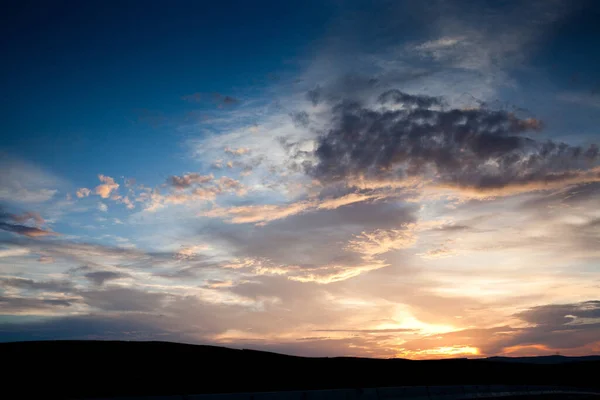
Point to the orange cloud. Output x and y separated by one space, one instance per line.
128 203
381 241
318 274
237 152
156 200
265 213
83 192
108 186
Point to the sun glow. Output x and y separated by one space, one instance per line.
407 321
443 352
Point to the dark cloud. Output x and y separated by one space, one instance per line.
29 284
28 231
560 314
357 87
14 223
314 95
181 319
421 101
114 327
182 273
300 119
100 277
475 148
453 228
123 299
78 269
26 216
11 305
187 180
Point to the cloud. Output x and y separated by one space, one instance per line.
321 274
108 186
531 182
406 100
440 43
187 180
83 192
7 219
240 151
300 119
190 252
13 251
478 149
217 284
227 184
265 213
98 278
225 100
567 328
128 203
561 314
123 299
314 95
26 305
70 253
102 207
581 99
192 188
22 182
29 284
324 245
381 241
30 215
440 252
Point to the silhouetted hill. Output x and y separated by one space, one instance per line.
545 359
103 368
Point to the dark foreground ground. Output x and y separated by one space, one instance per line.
70 369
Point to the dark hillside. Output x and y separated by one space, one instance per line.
103 368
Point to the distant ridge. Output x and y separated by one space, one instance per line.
80 369
555 359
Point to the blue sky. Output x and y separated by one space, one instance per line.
318 178
82 76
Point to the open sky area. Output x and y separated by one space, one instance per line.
414 179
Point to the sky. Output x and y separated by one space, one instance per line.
320 178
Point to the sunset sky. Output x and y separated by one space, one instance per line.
414 179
